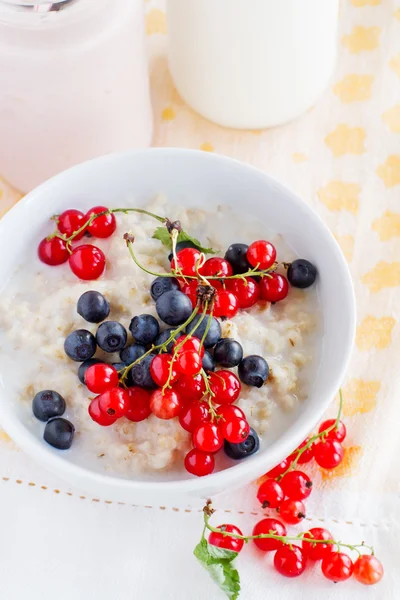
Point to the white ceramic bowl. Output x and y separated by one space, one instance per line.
195 179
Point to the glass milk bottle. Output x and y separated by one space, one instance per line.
251 63
73 84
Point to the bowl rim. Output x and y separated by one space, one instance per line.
34 446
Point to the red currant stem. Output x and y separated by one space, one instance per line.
321 434
199 264
286 539
207 329
210 395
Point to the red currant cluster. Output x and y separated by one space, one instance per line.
86 261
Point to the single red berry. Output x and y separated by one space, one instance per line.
100 417
235 430
190 289
166 405
161 369
328 454
247 292
270 494
138 404
226 304
279 469
274 288
261 254
193 415
368 569
208 438
101 377
53 252
338 433
70 221
228 412
269 526
225 541
114 402
188 363
317 551
199 463
101 227
292 511
289 560
337 566
305 456
225 386
190 388
216 267
189 343
87 262
186 262
296 485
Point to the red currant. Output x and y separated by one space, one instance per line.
225 386
317 551
101 227
292 511
274 288
337 434
114 402
53 252
296 485
269 526
192 415
226 304
101 377
166 405
337 566
161 369
208 438
191 343
189 362
328 454
186 261
261 254
279 469
100 417
368 569
247 292
138 405
199 463
225 541
289 560
190 289
216 267
229 411
270 494
235 430
190 388
305 456
70 221
87 262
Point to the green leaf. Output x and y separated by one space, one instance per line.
161 233
218 563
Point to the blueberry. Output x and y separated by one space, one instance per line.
181 246
254 370
163 284
144 328
301 273
250 446
48 404
213 335
236 255
111 336
59 433
80 345
208 362
131 353
93 307
228 353
84 367
174 307
118 366
140 373
164 336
